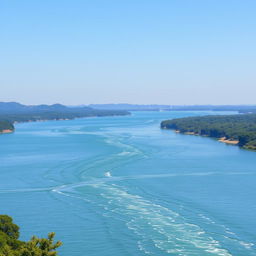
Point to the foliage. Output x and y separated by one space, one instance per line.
233 127
15 112
6 125
11 246
11 112
56 115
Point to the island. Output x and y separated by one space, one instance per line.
237 129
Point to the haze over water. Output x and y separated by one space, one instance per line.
122 186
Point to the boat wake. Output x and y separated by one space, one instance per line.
159 230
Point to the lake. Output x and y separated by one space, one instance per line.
113 186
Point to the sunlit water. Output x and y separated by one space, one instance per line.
117 186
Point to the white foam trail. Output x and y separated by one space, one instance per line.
126 153
149 176
118 178
246 245
159 227
127 148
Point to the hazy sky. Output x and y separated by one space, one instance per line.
135 51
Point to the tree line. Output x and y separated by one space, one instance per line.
240 127
12 112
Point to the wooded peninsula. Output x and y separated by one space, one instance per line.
12 112
237 129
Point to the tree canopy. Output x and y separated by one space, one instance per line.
10 245
240 127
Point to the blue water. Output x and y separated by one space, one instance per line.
115 186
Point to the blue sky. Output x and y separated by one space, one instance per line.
135 51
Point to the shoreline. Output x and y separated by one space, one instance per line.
223 139
44 120
6 131
228 141
63 119
239 130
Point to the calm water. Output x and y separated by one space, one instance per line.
120 186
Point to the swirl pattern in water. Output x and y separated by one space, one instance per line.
122 186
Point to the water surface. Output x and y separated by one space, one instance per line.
116 186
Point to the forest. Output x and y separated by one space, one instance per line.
16 112
10 245
56 115
240 127
12 112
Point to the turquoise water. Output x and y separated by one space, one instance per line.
117 186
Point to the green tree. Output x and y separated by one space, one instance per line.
41 246
11 246
8 227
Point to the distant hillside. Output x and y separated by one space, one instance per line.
130 107
155 107
238 108
234 129
11 112
248 111
14 107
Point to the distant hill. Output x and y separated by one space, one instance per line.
14 107
239 108
155 107
11 112
130 107
11 106
248 110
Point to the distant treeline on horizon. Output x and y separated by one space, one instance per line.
155 107
12 112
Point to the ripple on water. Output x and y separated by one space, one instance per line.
158 228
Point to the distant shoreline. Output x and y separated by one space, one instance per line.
63 119
228 141
6 131
237 130
223 139
12 113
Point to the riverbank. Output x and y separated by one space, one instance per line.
223 139
228 141
6 131
13 113
230 129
